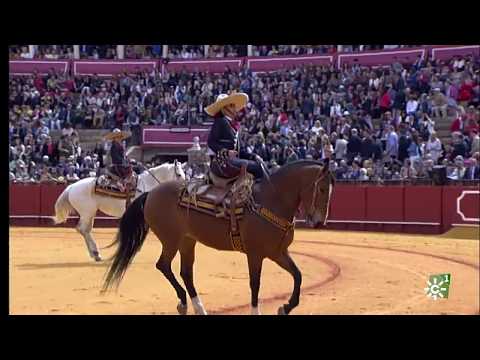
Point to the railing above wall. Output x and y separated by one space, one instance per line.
108 68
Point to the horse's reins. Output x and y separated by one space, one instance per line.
158 181
315 185
278 221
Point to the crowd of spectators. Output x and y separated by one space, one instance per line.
377 124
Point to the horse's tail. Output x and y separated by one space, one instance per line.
131 234
63 208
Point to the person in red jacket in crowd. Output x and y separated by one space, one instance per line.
39 84
471 121
385 102
457 124
465 94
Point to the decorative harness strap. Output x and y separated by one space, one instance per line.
267 214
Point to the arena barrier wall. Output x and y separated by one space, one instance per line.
448 52
108 68
262 64
173 137
409 209
463 206
218 65
27 67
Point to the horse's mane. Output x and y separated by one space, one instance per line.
299 163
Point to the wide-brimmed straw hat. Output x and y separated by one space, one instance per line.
238 99
117 134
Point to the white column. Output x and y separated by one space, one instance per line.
339 48
31 51
76 52
249 50
121 51
165 51
205 50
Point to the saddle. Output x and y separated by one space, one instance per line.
107 186
222 198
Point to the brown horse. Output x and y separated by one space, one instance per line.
266 232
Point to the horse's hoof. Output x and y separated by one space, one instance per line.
281 310
97 257
182 309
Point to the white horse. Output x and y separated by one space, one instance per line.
80 196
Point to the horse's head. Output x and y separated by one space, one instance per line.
179 173
167 172
315 196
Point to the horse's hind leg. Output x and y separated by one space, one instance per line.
187 253
164 264
287 263
84 227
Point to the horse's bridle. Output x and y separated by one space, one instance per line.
318 178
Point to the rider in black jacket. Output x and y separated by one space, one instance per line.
120 168
224 135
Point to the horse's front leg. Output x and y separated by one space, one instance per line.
255 270
187 258
287 263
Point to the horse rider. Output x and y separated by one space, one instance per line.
120 169
223 138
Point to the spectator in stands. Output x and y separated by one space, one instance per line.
458 172
407 171
465 93
439 103
472 172
459 147
385 102
391 150
433 147
363 175
412 106
426 127
414 149
354 146
474 142
340 148
471 122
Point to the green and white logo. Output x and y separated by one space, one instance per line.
438 286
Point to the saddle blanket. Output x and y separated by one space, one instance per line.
106 186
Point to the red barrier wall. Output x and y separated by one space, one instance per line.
26 67
350 217
448 52
259 64
158 136
461 206
211 65
383 57
411 209
380 213
109 68
423 209
24 201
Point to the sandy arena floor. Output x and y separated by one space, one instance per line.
343 273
